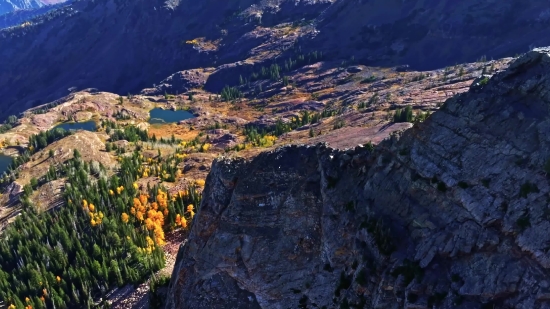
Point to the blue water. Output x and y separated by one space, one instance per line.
159 115
87 126
5 161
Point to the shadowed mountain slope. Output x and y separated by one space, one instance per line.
124 46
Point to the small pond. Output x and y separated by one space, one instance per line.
87 126
159 115
5 161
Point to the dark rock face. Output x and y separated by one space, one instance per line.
452 213
125 46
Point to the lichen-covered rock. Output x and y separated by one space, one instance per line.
452 213
14 189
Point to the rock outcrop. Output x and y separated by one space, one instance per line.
452 213
179 82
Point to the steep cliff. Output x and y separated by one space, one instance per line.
451 213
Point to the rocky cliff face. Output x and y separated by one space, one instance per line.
124 46
451 213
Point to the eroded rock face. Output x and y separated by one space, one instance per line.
179 82
452 213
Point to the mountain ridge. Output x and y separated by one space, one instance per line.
10 6
19 17
237 31
7 6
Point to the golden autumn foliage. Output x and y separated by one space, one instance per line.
268 140
143 199
190 210
151 214
181 221
119 190
206 147
138 209
150 246
159 235
96 219
162 199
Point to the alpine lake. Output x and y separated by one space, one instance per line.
162 116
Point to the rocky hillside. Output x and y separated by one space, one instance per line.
7 6
124 46
20 16
452 213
